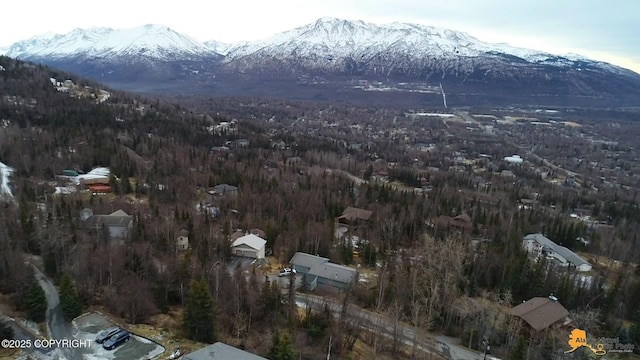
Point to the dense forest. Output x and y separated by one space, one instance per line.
435 278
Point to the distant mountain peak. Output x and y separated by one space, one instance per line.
151 40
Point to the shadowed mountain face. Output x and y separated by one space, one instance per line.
339 60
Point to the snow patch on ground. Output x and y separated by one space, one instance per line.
5 172
65 190
144 340
156 352
97 173
100 356
33 327
434 114
89 325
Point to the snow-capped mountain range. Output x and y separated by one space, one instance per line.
327 47
342 38
328 37
154 41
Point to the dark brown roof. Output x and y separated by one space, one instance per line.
540 312
463 218
461 222
236 235
258 232
352 213
183 232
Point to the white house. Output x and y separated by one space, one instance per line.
250 245
182 241
514 159
540 245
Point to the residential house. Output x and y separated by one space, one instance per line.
242 143
279 145
259 233
292 161
219 151
221 351
85 214
542 312
94 180
72 173
224 190
319 271
182 241
539 245
460 223
507 173
250 246
303 262
237 234
118 223
353 215
99 189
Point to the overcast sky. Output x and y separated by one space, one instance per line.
604 30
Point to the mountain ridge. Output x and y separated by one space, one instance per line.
41 45
327 56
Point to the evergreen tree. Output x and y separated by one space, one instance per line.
520 351
36 303
269 298
69 299
6 332
199 313
282 348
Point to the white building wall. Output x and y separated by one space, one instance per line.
584 267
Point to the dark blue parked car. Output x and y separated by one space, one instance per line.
115 340
106 334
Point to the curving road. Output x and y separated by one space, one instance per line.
58 327
22 333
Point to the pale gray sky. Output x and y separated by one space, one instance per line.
604 30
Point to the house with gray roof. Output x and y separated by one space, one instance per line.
224 190
318 270
540 245
303 262
221 351
118 223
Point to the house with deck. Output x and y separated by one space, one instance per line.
539 245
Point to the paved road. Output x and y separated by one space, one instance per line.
58 328
439 346
21 333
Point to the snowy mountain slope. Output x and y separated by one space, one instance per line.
154 41
395 45
217 46
326 57
336 37
5 189
325 39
